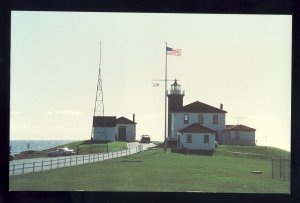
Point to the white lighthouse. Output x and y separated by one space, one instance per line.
175 103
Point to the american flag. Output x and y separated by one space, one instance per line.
175 52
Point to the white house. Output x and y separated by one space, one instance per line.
108 128
196 137
104 128
238 135
198 112
207 117
126 129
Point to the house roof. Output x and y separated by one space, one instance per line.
123 120
238 128
104 121
199 107
196 128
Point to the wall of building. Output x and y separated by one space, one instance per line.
197 141
130 131
246 138
99 134
177 121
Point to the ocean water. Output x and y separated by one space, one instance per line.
18 146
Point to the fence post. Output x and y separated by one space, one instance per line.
65 162
98 158
283 169
13 169
57 163
76 160
280 167
89 158
23 168
51 164
102 156
272 168
42 165
33 166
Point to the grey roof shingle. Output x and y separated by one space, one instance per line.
123 120
196 128
238 128
199 107
104 121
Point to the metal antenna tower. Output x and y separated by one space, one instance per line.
99 104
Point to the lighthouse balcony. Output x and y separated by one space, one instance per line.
179 92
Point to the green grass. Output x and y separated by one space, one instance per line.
267 151
158 171
99 148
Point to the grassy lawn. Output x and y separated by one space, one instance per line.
99 148
158 171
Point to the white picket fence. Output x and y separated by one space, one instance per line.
18 169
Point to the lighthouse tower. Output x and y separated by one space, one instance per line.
175 103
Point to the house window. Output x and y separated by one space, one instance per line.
237 136
200 118
188 138
186 119
206 139
215 119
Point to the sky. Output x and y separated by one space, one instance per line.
241 61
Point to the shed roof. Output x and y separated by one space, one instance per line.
104 121
196 128
199 107
123 120
238 128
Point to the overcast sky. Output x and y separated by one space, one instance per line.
242 61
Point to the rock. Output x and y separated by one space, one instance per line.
256 172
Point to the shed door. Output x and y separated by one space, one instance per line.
122 134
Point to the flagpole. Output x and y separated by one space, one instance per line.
166 98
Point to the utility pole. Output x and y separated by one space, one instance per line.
166 94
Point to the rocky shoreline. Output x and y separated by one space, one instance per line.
33 154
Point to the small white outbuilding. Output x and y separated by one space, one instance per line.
125 129
238 135
104 128
196 137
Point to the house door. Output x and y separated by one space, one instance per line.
122 134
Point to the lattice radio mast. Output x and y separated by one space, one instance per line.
99 104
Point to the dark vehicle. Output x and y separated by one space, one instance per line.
61 152
145 139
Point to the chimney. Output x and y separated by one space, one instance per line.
221 106
133 117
